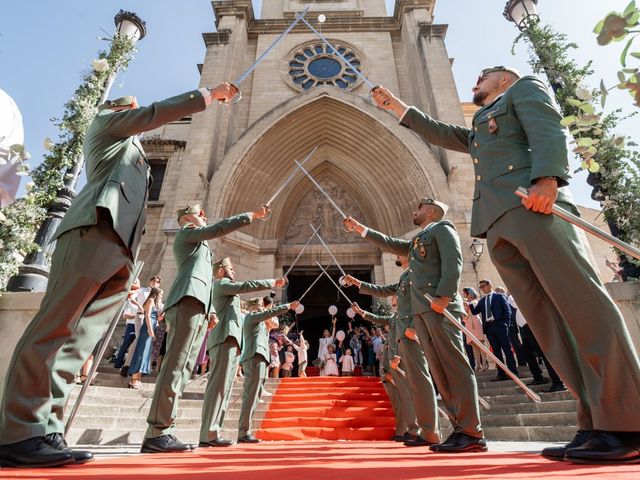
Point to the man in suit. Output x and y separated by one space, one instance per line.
396 384
496 315
255 359
424 428
225 346
186 312
516 140
435 266
91 272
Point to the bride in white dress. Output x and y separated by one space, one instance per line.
325 341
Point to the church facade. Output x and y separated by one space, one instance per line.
232 158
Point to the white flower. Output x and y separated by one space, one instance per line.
48 144
30 186
100 65
584 94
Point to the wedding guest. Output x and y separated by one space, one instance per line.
327 339
274 365
287 366
356 346
346 363
330 368
473 323
141 359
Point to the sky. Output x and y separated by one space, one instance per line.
46 46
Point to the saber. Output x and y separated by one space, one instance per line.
248 71
334 284
315 231
310 287
335 260
484 403
335 205
367 82
193 380
286 182
98 357
530 393
587 227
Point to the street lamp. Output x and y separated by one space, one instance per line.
521 12
33 274
477 249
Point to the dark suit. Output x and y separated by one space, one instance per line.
495 325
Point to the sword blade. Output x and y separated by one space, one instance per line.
313 180
310 287
315 230
335 260
334 284
272 46
367 82
587 227
530 393
286 182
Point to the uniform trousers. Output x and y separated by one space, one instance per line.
254 370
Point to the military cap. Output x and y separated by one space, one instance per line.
500 68
118 102
430 201
224 262
189 210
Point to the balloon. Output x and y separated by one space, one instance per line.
340 335
341 281
333 310
322 18
299 309
350 313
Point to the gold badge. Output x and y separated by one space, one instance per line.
423 252
493 126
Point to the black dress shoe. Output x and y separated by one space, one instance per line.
556 387
459 442
417 441
31 453
248 439
538 381
164 444
604 448
557 453
57 441
217 442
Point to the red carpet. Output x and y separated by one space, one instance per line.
328 461
329 408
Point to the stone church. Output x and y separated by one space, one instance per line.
232 158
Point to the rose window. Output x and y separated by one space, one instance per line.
317 64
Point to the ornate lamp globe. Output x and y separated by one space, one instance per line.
477 248
130 24
521 12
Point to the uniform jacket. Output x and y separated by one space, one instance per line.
117 170
402 289
226 302
435 263
194 260
255 334
529 143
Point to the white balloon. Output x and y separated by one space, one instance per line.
340 335
341 281
11 131
322 18
350 313
299 309
333 310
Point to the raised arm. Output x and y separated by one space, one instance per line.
230 287
397 246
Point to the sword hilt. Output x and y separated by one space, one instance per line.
236 98
386 103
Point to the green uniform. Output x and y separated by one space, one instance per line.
224 346
515 140
91 268
435 266
399 392
255 362
186 309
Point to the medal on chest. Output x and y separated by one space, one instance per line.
493 126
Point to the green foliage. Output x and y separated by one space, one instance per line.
616 27
20 221
613 161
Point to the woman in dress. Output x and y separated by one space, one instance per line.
326 340
474 324
141 360
330 368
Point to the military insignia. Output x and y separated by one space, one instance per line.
140 161
415 243
493 126
423 252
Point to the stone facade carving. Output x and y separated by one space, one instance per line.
316 209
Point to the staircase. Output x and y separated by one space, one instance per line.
112 414
329 408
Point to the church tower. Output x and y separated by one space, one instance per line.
232 158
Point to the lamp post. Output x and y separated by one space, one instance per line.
477 249
521 12
33 274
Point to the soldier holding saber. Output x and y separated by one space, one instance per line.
516 140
